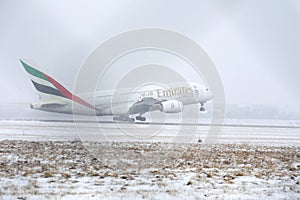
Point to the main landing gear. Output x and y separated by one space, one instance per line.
202 109
140 118
123 118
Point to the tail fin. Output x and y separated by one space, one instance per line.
45 84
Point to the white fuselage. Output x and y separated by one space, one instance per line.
119 102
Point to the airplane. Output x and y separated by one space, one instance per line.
53 97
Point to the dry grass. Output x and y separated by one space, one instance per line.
130 164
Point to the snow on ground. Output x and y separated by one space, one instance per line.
153 170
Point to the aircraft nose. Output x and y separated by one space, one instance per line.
209 94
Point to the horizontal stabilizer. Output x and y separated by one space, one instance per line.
49 104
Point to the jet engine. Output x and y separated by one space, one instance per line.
171 106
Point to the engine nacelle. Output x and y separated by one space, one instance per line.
171 106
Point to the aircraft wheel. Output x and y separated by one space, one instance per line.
140 118
116 118
124 119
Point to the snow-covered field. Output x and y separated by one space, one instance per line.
66 170
47 161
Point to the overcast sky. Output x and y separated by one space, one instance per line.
255 45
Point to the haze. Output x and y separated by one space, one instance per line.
255 45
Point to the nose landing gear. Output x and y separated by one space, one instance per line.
202 109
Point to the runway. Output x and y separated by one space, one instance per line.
149 132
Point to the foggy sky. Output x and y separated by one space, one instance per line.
255 45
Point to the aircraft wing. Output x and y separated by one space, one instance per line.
145 105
